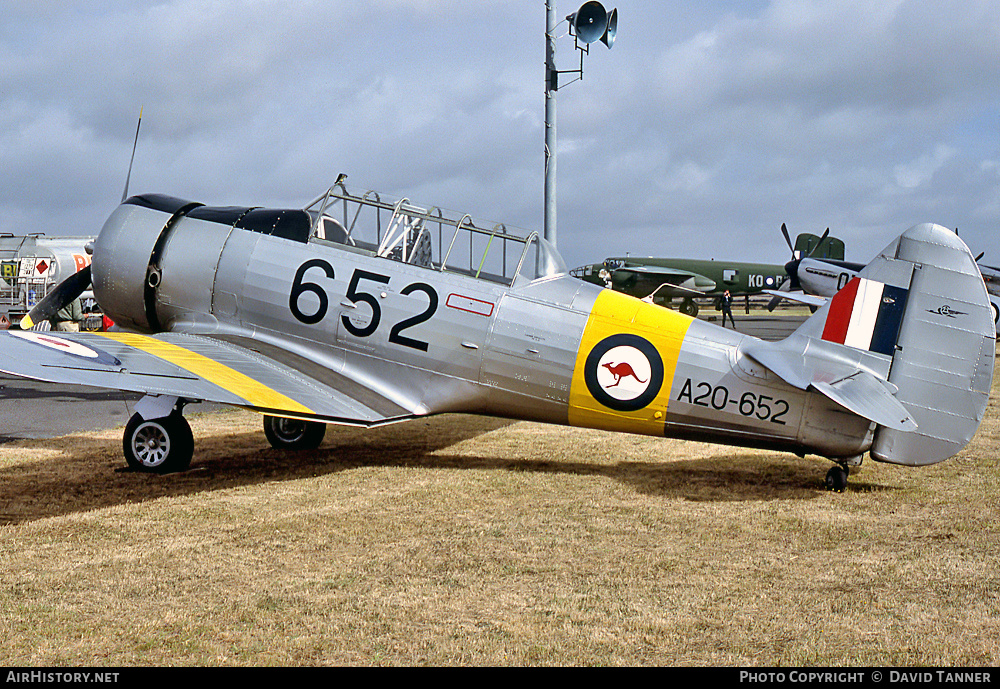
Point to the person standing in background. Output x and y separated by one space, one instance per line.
68 318
727 310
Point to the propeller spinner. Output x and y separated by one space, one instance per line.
792 267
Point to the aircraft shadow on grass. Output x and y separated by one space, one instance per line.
77 481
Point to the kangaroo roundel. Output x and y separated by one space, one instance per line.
624 372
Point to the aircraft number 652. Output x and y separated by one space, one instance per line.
356 293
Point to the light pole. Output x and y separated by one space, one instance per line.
551 86
588 24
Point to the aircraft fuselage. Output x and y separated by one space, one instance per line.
553 349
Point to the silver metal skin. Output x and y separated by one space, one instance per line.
823 278
363 310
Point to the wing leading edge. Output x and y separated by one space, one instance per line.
671 277
194 367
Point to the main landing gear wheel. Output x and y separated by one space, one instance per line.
689 308
158 445
293 434
836 478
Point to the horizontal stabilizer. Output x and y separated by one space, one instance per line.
869 397
802 361
853 378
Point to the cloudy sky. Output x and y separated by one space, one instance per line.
704 128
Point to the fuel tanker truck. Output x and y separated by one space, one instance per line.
31 265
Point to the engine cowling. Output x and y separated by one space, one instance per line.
156 258
124 261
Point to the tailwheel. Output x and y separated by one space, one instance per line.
836 478
293 434
158 445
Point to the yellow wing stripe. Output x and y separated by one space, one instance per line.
254 392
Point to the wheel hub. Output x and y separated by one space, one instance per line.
290 429
151 445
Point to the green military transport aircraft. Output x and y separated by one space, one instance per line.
660 280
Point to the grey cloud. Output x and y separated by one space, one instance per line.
698 134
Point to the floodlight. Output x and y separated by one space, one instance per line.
588 24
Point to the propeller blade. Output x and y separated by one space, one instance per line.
819 243
788 241
63 293
775 300
132 160
981 254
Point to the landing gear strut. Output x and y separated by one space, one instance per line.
836 478
158 445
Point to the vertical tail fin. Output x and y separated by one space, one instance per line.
921 304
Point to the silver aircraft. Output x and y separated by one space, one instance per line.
813 281
365 310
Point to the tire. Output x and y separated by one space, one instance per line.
689 308
159 446
293 434
836 479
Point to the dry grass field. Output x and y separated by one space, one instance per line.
467 541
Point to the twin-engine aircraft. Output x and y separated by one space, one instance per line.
363 310
661 280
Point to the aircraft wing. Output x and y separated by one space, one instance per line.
802 297
681 281
194 367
